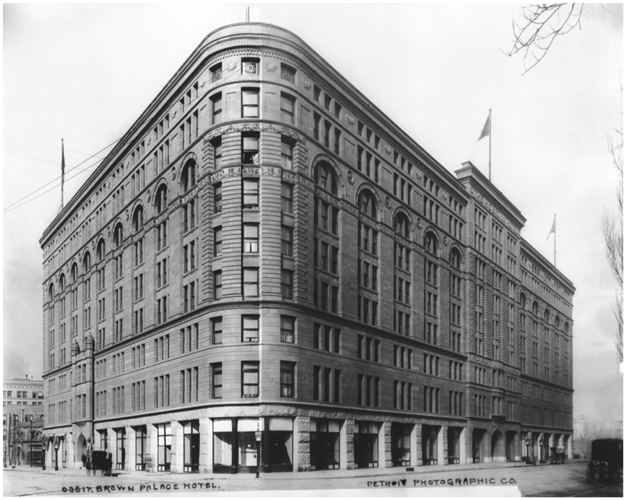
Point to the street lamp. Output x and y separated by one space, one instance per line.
257 436
44 441
541 448
56 453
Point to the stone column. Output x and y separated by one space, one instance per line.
346 445
442 445
151 448
463 458
177 458
384 445
413 446
130 449
302 439
206 446
417 431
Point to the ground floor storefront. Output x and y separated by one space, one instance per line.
278 439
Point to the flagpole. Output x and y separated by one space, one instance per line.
490 134
62 171
554 240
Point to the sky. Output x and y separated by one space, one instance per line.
85 73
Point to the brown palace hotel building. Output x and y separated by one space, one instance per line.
265 251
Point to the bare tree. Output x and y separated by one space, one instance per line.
612 227
541 24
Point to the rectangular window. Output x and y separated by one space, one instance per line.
287 379
250 103
249 379
250 148
286 235
216 330
286 283
337 141
250 328
250 238
250 193
286 153
286 198
217 241
216 106
287 108
217 285
250 282
217 153
316 126
287 329
216 389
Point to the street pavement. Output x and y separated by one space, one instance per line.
494 479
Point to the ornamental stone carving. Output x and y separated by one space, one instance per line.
231 66
444 196
350 120
272 67
173 114
387 202
306 84
418 174
173 173
387 149
127 214
419 223
445 241
350 177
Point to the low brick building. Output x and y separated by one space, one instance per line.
265 254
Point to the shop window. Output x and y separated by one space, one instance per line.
164 450
324 444
191 446
366 444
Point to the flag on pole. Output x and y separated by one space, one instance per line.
553 229
487 128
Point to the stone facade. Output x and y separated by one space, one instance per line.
266 255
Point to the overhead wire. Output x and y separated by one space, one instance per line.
17 204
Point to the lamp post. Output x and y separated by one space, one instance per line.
31 441
43 452
541 448
257 436
56 453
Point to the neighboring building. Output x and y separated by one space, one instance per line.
22 420
264 250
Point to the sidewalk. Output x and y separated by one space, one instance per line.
319 474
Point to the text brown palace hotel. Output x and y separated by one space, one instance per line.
264 250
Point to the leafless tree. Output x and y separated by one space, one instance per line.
612 227
541 25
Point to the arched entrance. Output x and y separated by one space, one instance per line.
498 453
81 448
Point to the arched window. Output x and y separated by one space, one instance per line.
87 262
188 178
74 272
118 235
160 200
522 301
557 322
51 292
401 225
367 203
535 308
430 243
546 316
62 283
138 219
326 177
455 259
566 328
100 252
